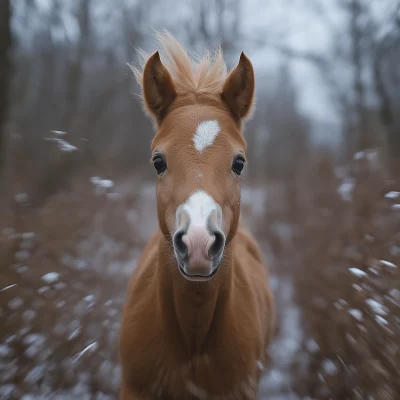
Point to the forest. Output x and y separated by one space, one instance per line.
321 194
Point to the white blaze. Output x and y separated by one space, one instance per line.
205 134
199 207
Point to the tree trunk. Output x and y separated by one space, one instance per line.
361 124
75 72
5 47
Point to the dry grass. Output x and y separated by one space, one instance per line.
88 238
350 317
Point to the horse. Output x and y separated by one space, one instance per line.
199 312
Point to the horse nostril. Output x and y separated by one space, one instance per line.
218 245
179 244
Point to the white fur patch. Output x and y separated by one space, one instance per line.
205 134
199 207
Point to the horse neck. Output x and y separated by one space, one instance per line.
193 306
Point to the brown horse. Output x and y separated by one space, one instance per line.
199 314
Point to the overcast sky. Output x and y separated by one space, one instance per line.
300 27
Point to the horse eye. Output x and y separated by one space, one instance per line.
238 165
159 164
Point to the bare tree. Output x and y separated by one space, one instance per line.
356 12
372 58
5 47
75 68
218 23
386 78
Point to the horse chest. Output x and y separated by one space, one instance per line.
204 377
226 367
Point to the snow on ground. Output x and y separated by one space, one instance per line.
61 317
277 381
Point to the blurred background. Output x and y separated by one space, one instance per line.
321 193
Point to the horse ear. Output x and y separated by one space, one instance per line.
238 91
158 87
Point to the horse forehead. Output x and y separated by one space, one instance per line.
199 128
205 142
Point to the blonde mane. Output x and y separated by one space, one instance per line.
206 75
